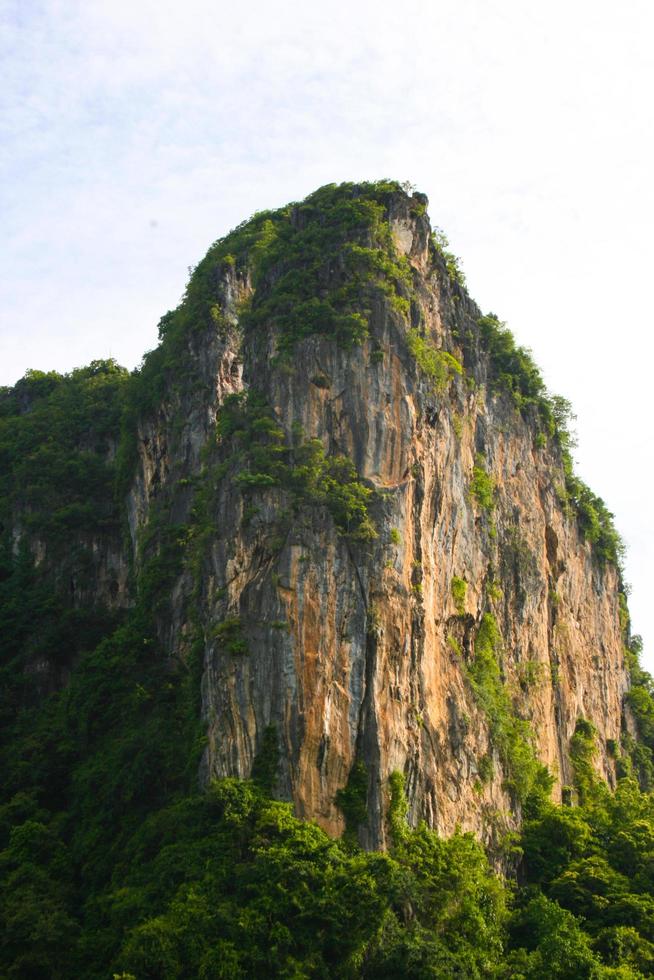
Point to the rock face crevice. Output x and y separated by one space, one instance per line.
356 650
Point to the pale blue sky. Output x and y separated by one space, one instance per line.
133 134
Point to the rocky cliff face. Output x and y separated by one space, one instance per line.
381 562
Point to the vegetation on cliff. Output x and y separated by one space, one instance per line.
513 372
111 859
260 456
58 436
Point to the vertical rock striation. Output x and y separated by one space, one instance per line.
382 564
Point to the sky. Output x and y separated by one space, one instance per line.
134 134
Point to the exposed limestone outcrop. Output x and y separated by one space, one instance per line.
357 649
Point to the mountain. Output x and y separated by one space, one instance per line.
328 540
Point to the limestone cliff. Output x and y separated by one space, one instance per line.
386 562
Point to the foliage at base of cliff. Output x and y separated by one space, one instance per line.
112 864
230 885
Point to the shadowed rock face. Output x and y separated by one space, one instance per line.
354 648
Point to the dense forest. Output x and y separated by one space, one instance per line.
113 861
